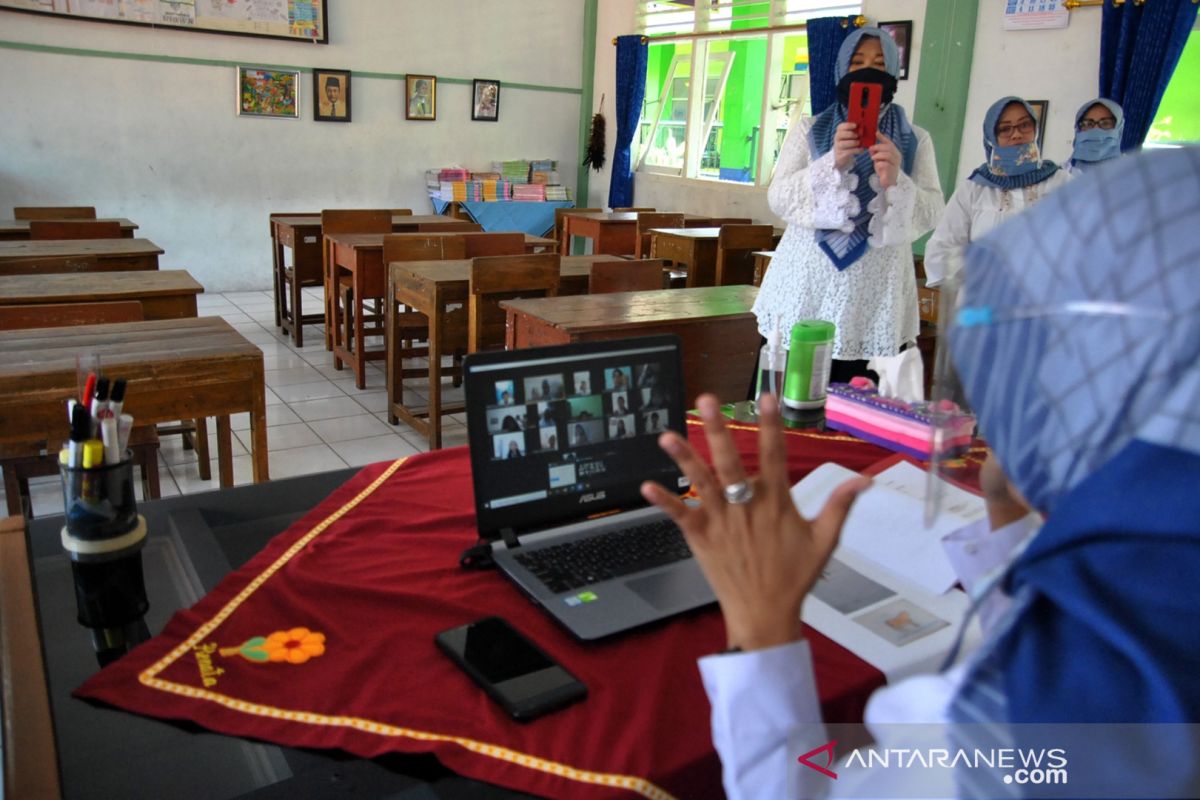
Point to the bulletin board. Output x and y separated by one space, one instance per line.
300 20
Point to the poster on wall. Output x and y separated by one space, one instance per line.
300 20
268 92
1028 15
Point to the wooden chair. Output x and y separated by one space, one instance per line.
720 222
54 212
626 276
448 227
62 314
559 213
334 221
46 265
402 212
633 209
498 278
74 229
38 457
494 244
305 270
647 220
735 252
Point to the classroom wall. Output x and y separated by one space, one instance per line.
1060 65
160 143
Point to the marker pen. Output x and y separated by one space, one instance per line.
116 399
100 400
112 442
124 426
81 429
89 386
93 457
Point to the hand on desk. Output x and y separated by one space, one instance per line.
1005 504
761 557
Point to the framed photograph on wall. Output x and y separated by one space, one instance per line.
268 92
331 95
901 33
420 97
485 100
1040 109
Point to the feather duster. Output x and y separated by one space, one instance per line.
595 146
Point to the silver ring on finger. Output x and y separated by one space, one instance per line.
739 493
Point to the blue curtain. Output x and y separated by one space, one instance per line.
825 36
631 88
1140 45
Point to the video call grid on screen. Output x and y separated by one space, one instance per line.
569 423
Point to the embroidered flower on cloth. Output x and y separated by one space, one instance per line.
295 646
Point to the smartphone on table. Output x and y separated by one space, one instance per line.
514 671
863 111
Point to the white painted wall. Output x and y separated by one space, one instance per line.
1060 65
713 197
162 145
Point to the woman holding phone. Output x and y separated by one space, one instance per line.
1012 178
852 213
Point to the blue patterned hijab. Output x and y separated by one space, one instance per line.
984 175
1086 382
844 248
1096 146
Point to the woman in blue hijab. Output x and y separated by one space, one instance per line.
1099 124
1013 177
1077 339
852 214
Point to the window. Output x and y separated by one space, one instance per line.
717 107
1178 117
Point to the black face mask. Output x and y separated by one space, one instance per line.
867 75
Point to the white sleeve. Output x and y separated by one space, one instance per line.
811 194
907 211
944 251
764 709
978 554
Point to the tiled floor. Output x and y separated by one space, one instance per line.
316 419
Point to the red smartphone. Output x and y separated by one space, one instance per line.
864 110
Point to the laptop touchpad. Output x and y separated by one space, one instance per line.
681 587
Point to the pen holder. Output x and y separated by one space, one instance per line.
100 507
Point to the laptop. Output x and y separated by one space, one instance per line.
561 439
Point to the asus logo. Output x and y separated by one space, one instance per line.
591 497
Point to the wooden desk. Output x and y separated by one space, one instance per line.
611 232
762 261
166 294
18 229
301 233
719 331
176 369
429 288
113 255
693 250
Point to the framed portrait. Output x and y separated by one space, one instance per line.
331 95
485 100
420 97
1040 109
901 33
268 92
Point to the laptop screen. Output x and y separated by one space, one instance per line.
560 433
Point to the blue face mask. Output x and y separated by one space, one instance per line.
1014 159
1097 145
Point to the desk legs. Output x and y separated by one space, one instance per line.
224 451
435 375
277 264
258 428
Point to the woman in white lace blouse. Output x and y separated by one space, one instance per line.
852 216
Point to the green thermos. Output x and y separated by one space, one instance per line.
810 357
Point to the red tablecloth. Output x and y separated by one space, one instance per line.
374 569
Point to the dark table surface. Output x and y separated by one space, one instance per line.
195 540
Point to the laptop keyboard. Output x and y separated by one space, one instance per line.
567 566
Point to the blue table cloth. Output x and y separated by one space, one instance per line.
536 219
